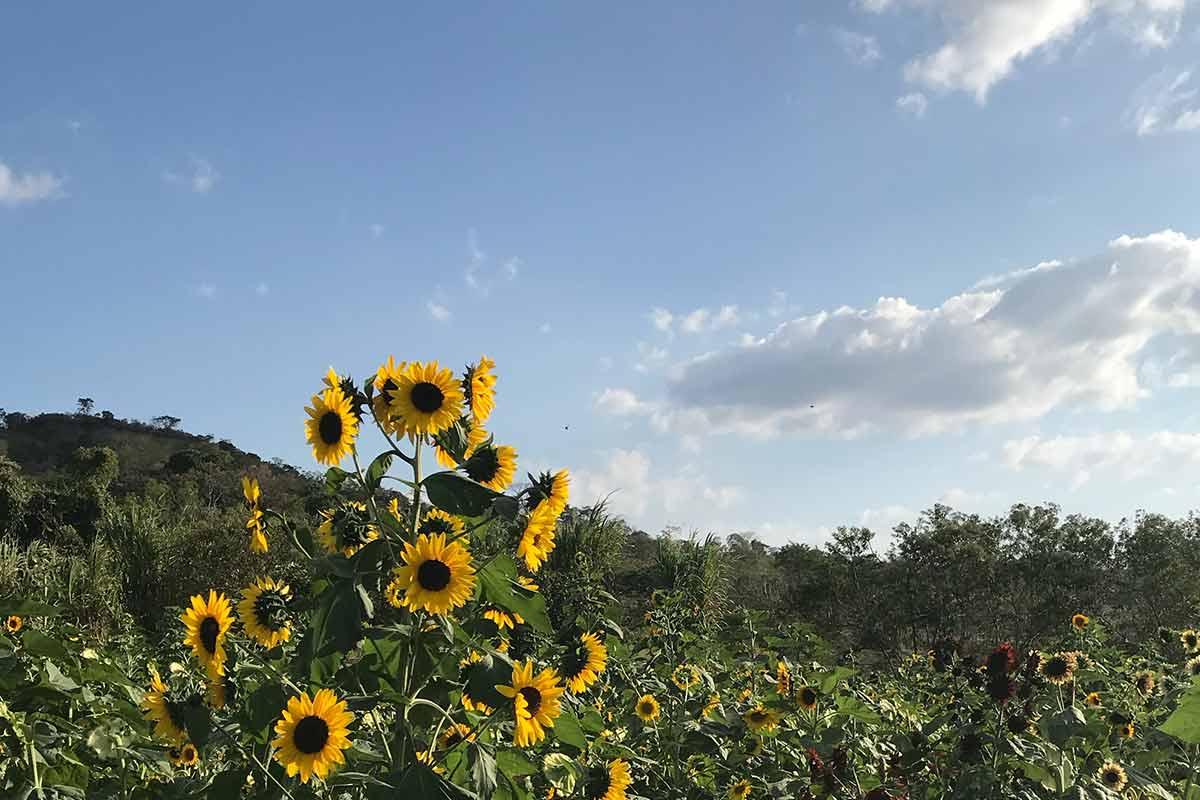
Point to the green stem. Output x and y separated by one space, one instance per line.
416 495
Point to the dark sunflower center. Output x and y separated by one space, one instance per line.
434 526
1056 668
270 609
808 697
433 575
646 708
1111 777
1190 640
483 465
209 628
330 427
574 661
533 699
758 717
310 735
1196 667
452 738
597 782
427 397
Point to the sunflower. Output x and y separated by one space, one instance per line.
609 782
346 529
759 719
502 619
1079 621
527 583
387 381
427 399
807 697
537 542
438 521
535 702
218 691
331 426
1093 700
188 755
492 466
480 385
1190 640
1057 668
740 790
685 676
647 708
13 623
312 734
1112 775
1193 666
1145 681
264 611
207 623
1125 730
552 490
165 712
583 664
254 522
710 705
783 679
453 736
436 576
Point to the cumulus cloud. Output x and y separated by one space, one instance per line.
633 488
619 402
915 104
1126 454
1166 103
30 187
860 48
438 311
1075 335
661 319
201 178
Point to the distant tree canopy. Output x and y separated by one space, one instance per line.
85 405
166 422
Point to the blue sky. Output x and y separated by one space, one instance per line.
650 217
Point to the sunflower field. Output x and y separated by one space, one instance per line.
416 658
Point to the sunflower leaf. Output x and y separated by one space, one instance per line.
483 768
26 608
1184 722
496 586
568 731
457 494
378 468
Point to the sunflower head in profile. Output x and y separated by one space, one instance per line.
1079 621
427 399
536 702
455 735
608 782
685 676
647 708
783 679
220 691
189 756
537 541
435 576
1190 640
492 465
1192 667
1125 730
312 734
582 665
1057 668
1145 681
1112 775
1093 699
331 426
207 623
13 623
164 710
806 696
503 619
740 790
553 490
480 388
711 706
264 611
761 720
346 529
385 384
437 521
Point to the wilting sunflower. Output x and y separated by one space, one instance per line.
436 576
783 679
685 676
1193 666
1112 775
1190 640
207 623
535 702
806 696
438 521
1145 681
740 790
254 522
647 708
1093 699
427 399
552 490
480 385
502 619
455 735
582 665
1057 668
1079 621
13 623
312 734
537 542
345 529
760 720
492 466
165 712
264 611
608 782
331 426
387 381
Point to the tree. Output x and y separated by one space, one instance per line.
166 422
85 405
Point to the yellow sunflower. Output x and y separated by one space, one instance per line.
218 691
165 712
1057 668
345 529
312 734
537 542
387 381
207 623
553 490
1190 640
455 735
1112 775
527 583
438 521
647 708
535 702
1093 699
427 399
13 623
254 523
436 576
1079 621
710 705
740 790
759 719
481 390
1126 730
582 665
685 676
264 611
492 466
503 619
331 426
807 698
1193 666
189 756
609 782
783 679
1144 682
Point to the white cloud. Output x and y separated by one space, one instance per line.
619 402
695 321
200 179
438 311
206 290
31 187
1045 338
544 328
779 303
723 496
860 48
661 319
482 273
1165 104
511 267
914 103
377 230
987 39
261 289
1126 454
726 317
649 356
633 488
965 500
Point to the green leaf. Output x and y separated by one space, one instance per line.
420 781
512 764
561 771
54 677
227 785
266 705
483 769
496 585
39 644
830 681
198 723
378 468
26 608
458 494
568 731
335 624
484 676
1184 722
335 477
852 707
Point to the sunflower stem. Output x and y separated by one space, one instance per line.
416 495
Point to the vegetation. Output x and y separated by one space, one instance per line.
183 620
